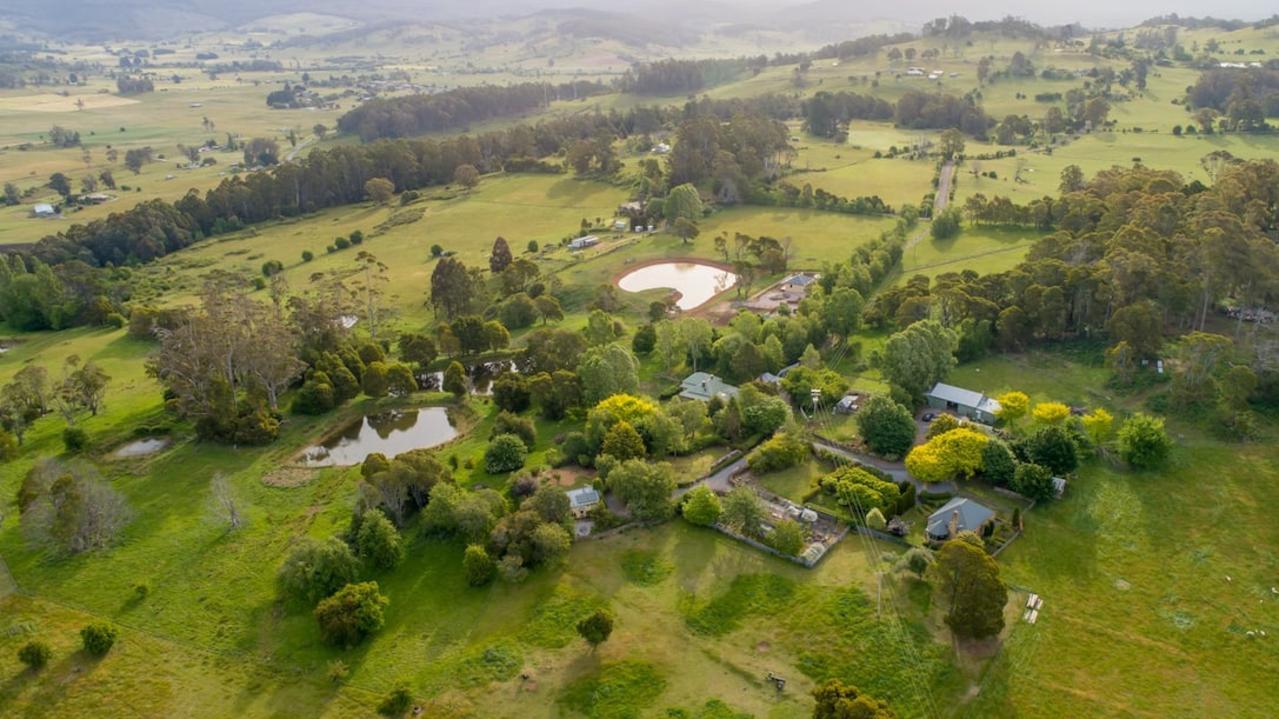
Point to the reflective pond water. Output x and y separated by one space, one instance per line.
480 376
390 433
695 282
141 447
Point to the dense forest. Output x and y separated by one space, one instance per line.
671 77
410 115
1246 96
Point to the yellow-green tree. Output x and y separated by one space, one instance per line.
1099 425
1051 412
957 453
1013 406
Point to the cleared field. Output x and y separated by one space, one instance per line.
61 103
982 249
851 170
1149 588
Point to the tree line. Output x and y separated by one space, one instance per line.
418 114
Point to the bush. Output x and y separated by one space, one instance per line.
1034 481
272 267
887 427
315 569
782 450
375 382
478 566
875 519
75 439
788 537
378 541
623 442
98 638
522 427
997 464
1054 448
307 255
396 703
351 614
35 654
505 453
701 506
1143 442
316 396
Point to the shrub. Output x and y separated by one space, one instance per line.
1034 481
623 442
272 267
788 537
316 396
887 427
338 671
505 453
511 392
478 566
315 569
1054 448
378 541
375 382
341 243
522 427
1143 442
942 424
307 255
35 654
351 614
98 638
75 439
875 519
701 506
782 450
397 702
596 628
997 464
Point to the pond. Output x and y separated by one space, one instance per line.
695 282
479 376
141 447
389 433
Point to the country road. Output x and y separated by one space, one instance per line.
943 187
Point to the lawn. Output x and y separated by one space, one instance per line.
985 250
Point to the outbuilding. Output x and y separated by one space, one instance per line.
582 500
963 402
44 209
581 243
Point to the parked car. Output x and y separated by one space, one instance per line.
928 416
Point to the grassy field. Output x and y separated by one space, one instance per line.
981 249
1150 581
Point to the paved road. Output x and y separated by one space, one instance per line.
896 470
717 481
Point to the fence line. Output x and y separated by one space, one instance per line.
8 585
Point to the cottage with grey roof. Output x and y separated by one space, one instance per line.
704 386
958 515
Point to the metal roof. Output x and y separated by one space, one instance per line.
971 516
704 385
958 395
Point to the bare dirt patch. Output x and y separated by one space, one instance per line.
288 477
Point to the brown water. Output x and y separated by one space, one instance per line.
696 283
390 433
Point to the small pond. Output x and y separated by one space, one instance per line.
480 376
141 447
695 282
390 433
